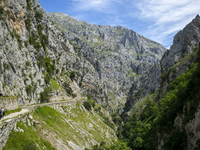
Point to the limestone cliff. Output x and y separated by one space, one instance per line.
174 62
171 89
41 51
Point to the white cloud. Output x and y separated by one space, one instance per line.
160 20
166 16
95 5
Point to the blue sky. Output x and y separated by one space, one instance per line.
158 20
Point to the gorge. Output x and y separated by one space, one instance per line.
89 86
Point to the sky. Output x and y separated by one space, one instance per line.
158 20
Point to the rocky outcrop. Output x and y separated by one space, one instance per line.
7 126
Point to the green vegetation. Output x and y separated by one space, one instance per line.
6 66
116 146
28 23
27 140
2 12
55 85
8 97
45 95
38 15
18 37
141 131
29 4
132 73
28 63
89 103
29 89
63 126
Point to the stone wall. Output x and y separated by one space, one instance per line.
10 103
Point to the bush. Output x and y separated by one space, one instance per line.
80 83
28 63
72 75
26 43
29 4
19 40
89 103
2 11
29 89
28 23
47 78
45 95
38 16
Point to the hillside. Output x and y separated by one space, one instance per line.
64 125
163 106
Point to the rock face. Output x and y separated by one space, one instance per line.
78 57
155 84
9 103
174 62
118 55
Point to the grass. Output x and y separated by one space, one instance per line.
54 85
13 111
8 97
78 119
55 122
27 140
66 126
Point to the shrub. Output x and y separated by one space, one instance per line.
45 95
26 43
2 11
28 63
72 75
29 89
6 66
28 23
29 4
47 78
31 76
38 15
89 103
12 34
19 40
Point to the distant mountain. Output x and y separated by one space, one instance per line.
118 55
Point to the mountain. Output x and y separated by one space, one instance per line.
81 58
44 60
163 105
136 89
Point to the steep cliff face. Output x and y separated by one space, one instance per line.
69 57
174 62
164 104
118 55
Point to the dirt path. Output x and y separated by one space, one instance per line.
27 108
13 115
